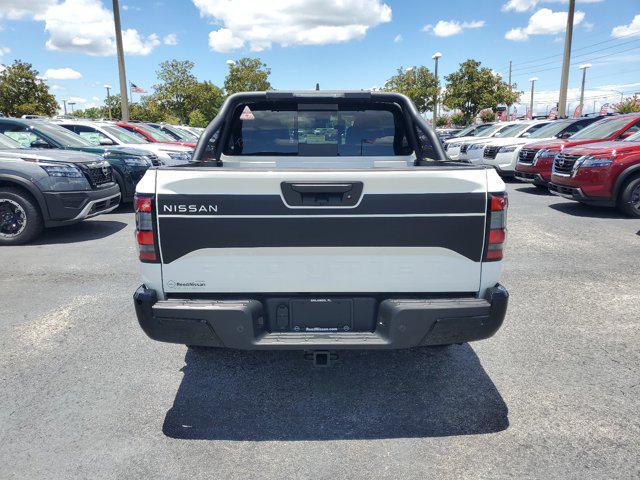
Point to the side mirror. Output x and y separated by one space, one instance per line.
525 135
106 142
40 143
565 135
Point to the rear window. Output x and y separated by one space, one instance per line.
321 130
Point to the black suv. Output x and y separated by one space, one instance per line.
49 189
129 165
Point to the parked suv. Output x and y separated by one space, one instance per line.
50 189
535 161
108 134
152 134
129 165
604 173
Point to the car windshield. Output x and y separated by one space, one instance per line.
123 135
633 138
182 134
468 131
492 130
61 135
6 142
154 133
550 130
511 131
601 129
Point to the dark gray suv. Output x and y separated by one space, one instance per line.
40 189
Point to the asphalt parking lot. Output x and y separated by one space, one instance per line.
555 394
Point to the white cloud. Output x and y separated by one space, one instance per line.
258 24
24 9
524 5
397 38
519 5
544 22
77 100
86 26
171 39
4 51
56 87
62 74
631 30
446 28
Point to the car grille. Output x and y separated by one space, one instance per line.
490 151
97 174
464 148
527 155
563 164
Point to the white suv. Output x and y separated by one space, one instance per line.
106 133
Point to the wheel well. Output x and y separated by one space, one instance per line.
630 178
23 190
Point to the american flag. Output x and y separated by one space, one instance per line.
136 89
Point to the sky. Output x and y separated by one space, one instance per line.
340 44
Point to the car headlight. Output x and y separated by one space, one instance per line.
476 146
452 145
61 170
137 162
508 148
180 156
589 161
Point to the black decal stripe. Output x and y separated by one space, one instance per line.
423 203
180 236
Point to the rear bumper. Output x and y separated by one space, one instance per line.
575 193
400 323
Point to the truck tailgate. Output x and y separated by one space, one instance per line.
306 231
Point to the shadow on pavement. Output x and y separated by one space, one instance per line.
578 209
234 395
534 190
79 232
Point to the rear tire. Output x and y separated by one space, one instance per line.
543 188
20 217
629 201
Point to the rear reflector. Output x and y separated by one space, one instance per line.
145 234
496 226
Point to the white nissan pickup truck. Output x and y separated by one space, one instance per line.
320 221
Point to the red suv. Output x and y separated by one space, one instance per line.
151 134
535 161
604 173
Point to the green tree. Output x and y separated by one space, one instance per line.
473 88
23 93
628 105
175 92
207 99
197 119
417 83
487 115
247 75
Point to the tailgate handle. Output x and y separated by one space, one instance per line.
315 194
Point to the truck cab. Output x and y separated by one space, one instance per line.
320 220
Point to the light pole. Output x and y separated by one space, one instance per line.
533 81
621 94
123 76
584 78
564 81
64 103
71 104
108 87
436 56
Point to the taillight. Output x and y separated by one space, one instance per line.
145 236
497 226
